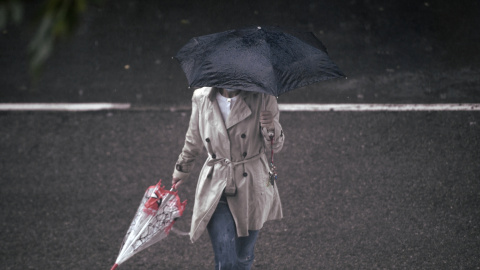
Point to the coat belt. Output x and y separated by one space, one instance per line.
231 186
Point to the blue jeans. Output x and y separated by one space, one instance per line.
231 252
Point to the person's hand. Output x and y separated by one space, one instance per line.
176 182
266 120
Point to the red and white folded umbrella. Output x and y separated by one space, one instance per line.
152 222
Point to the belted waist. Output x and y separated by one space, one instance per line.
231 187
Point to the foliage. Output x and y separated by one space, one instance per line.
57 21
10 10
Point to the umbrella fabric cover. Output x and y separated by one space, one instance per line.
158 210
261 59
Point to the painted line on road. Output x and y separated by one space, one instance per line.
73 107
380 107
308 107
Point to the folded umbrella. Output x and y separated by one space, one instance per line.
158 210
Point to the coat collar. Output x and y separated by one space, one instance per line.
239 112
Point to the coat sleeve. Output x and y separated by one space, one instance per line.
279 137
192 147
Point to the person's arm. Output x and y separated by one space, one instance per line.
191 149
270 122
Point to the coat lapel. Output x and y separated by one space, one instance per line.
239 112
214 115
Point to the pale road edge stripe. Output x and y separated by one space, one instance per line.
307 107
76 107
380 107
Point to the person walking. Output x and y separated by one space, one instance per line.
234 195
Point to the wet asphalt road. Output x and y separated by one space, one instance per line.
378 190
392 51
359 190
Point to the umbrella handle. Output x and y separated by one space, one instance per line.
114 267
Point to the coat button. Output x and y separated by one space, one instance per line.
243 136
244 154
207 140
245 174
214 156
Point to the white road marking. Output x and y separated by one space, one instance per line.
379 107
307 107
76 107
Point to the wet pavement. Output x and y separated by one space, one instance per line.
400 52
376 190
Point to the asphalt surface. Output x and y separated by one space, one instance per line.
360 191
392 51
377 190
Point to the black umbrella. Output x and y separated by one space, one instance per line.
262 59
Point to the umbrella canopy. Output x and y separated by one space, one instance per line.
158 210
262 59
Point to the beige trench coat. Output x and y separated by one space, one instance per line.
236 159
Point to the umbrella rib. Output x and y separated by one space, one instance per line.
272 68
